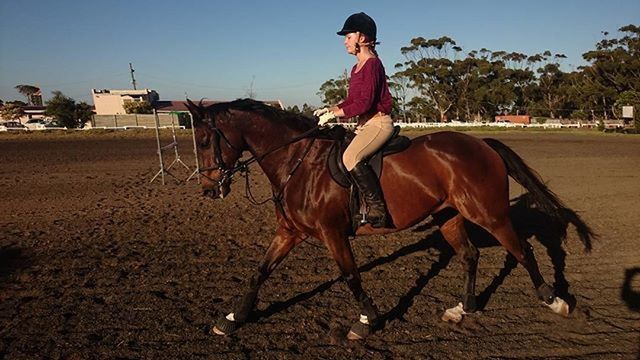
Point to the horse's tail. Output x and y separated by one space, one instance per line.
544 199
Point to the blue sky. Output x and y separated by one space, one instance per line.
215 49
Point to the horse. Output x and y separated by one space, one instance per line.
455 177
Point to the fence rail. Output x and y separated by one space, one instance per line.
554 125
139 121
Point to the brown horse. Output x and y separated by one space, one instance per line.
453 176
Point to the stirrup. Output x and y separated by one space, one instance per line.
382 222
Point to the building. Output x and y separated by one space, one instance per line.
110 112
111 102
33 112
516 119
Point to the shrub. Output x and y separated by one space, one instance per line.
138 107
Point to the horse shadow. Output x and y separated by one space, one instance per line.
528 222
12 260
630 296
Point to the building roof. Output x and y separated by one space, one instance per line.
122 92
34 108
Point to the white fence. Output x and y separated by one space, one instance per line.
140 121
454 124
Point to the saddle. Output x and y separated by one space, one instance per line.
339 172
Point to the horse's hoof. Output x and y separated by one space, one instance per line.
559 306
359 331
454 314
217 331
225 326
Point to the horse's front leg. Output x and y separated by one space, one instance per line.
340 249
282 243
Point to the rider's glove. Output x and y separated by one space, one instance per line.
326 117
320 111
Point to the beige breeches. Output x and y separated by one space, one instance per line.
369 138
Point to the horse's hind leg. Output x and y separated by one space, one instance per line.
280 246
454 232
523 252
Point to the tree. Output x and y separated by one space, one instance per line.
27 91
486 83
294 109
307 110
551 83
399 86
419 109
614 68
83 112
138 107
430 71
334 91
63 109
629 98
12 111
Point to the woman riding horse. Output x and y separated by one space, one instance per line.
458 178
370 101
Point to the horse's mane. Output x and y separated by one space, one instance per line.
253 106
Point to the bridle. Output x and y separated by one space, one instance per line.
227 172
242 167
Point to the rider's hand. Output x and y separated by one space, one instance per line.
326 117
320 111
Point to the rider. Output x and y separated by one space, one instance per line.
370 101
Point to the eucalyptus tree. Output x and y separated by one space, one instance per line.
431 71
28 91
399 87
334 91
614 67
551 81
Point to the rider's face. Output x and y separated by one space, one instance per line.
350 42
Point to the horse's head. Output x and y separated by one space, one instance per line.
219 146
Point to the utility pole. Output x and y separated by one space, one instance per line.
133 79
250 93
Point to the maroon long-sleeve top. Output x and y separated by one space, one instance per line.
368 90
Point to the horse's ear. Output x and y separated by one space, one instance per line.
195 110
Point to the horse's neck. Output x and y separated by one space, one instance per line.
263 136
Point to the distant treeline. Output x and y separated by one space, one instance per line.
438 81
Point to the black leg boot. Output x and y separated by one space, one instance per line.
369 187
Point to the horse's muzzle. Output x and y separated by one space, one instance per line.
212 193
217 191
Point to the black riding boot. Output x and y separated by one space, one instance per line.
369 187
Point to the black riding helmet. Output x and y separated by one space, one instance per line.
360 22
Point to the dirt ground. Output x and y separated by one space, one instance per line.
96 262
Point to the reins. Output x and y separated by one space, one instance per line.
243 166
